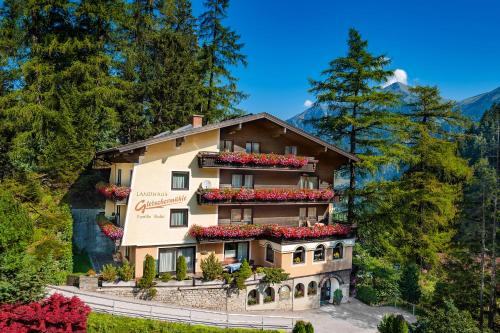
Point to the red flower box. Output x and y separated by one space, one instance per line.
265 195
112 192
269 160
263 231
109 229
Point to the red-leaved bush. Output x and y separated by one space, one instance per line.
272 231
267 160
265 195
54 314
112 191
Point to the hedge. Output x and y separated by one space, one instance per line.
104 323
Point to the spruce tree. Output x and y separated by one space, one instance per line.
358 112
408 285
221 49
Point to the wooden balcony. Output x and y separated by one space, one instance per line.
212 160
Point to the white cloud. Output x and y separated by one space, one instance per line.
308 103
398 76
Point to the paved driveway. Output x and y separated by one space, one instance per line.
351 317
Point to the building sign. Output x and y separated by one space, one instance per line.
151 203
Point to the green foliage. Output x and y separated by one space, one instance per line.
81 262
273 275
126 271
151 293
300 327
392 323
228 278
309 327
447 319
211 267
408 285
109 273
148 274
242 274
165 277
181 269
367 294
337 296
105 323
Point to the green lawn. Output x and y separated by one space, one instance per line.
81 263
104 323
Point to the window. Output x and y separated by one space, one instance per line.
269 295
338 251
309 182
119 177
299 256
290 150
307 213
178 218
118 211
241 215
180 180
252 147
236 250
239 181
269 253
131 173
253 297
312 288
319 253
167 258
226 145
299 290
284 292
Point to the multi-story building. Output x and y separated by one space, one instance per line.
230 179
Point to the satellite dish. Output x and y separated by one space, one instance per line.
206 184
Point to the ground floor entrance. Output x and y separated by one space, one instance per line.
327 289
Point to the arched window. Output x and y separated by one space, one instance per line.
338 251
269 295
253 297
269 253
319 253
284 292
312 288
299 290
299 255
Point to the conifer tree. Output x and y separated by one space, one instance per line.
358 111
221 49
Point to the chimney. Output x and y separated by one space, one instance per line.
197 120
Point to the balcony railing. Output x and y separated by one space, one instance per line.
242 160
246 196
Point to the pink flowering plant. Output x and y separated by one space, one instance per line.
268 231
265 195
112 191
265 160
109 229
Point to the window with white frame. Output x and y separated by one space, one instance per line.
338 251
299 255
319 253
178 218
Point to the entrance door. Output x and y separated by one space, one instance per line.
325 293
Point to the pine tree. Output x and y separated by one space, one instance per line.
408 285
358 111
221 49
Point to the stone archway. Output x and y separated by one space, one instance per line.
328 286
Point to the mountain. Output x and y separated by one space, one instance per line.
472 107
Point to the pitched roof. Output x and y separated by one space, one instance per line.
190 130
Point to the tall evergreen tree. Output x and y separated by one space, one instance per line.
221 49
358 109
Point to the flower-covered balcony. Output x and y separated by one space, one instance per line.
256 161
245 196
278 233
113 192
109 229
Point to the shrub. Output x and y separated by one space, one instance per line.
392 323
337 296
55 314
211 267
309 328
181 270
151 293
367 294
228 278
300 327
408 285
244 273
126 271
149 273
447 319
165 277
109 273
273 275
91 272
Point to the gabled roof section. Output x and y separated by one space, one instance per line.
189 130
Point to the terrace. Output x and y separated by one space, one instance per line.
256 161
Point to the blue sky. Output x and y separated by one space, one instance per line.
452 44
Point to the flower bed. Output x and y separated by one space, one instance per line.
273 231
269 160
110 230
112 191
265 195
